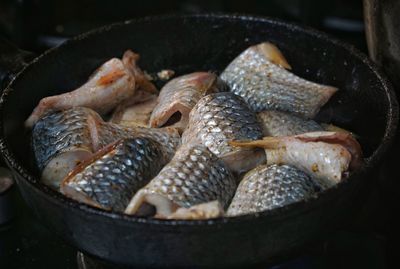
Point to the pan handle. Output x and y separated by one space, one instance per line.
12 60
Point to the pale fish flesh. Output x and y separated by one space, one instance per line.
180 95
326 156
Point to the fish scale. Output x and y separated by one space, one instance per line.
110 180
194 176
276 123
218 118
167 137
266 85
63 139
268 187
59 132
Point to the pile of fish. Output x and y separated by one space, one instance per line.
205 146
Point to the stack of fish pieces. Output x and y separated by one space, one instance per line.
222 121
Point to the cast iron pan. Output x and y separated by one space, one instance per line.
365 104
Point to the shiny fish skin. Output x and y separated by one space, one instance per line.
168 137
268 187
265 85
181 94
326 156
218 118
276 123
111 178
59 132
61 140
193 176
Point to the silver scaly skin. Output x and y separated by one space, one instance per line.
194 176
168 137
276 123
60 132
63 139
114 174
219 118
268 187
258 75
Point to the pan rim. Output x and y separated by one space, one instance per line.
292 209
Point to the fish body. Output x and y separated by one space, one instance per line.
258 75
63 139
271 186
218 118
194 176
181 94
277 123
114 174
326 156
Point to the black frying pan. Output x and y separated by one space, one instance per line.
365 104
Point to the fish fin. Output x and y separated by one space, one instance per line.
268 142
272 53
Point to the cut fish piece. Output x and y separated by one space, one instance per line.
268 187
108 86
218 118
194 176
178 97
326 156
258 75
63 139
114 174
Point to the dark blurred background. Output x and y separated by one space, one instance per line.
37 25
